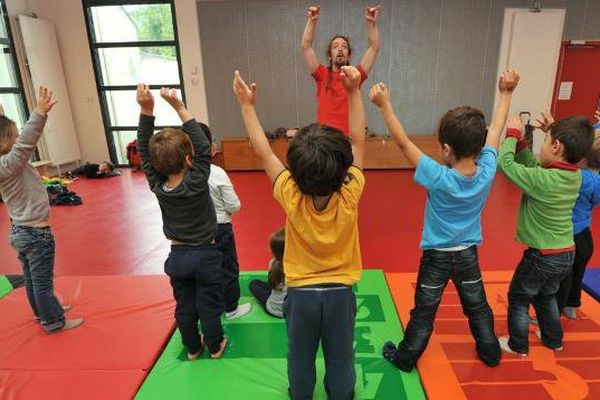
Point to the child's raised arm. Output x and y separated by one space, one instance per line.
246 97
506 85
351 79
380 96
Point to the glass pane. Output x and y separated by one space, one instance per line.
13 108
133 23
7 68
131 65
124 110
121 139
3 33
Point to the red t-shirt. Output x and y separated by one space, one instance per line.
332 102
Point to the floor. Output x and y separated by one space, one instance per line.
118 231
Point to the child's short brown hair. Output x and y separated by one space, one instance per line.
168 150
8 134
464 129
277 244
576 135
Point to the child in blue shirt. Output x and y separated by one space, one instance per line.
456 193
569 293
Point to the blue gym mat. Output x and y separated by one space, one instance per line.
591 282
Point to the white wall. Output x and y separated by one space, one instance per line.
68 18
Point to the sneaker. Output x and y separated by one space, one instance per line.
69 324
66 309
538 333
219 353
505 347
570 312
240 311
390 352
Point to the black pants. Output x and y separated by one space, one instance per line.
535 282
231 268
569 293
197 279
436 269
261 291
323 314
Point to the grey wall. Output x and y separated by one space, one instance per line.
435 55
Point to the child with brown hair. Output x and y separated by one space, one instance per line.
271 294
176 162
29 210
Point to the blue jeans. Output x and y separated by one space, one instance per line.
436 269
536 282
35 249
326 314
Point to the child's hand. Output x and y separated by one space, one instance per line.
596 115
508 81
544 121
145 99
313 13
372 13
45 102
379 94
170 96
517 124
1 109
350 78
246 96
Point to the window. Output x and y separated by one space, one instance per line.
11 87
131 42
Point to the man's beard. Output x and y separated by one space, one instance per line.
340 62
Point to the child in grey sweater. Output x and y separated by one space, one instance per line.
28 208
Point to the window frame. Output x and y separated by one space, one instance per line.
101 88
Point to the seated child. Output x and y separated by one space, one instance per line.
226 203
176 162
456 194
29 211
271 294
545 224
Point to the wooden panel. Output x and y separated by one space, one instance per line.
380 153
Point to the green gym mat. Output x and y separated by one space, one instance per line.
254 365
5 286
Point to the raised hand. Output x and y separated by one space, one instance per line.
515 123
509 79
544 121
372 13
350 78
171 97
313 13
246 96
145 99
379 94
45 102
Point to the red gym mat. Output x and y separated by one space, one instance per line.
450 369
89 385
128 320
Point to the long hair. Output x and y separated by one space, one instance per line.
330 67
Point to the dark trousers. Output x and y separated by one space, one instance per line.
536 281
231 268
323 314
436 269
197 279
35 249
261 291
569 292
